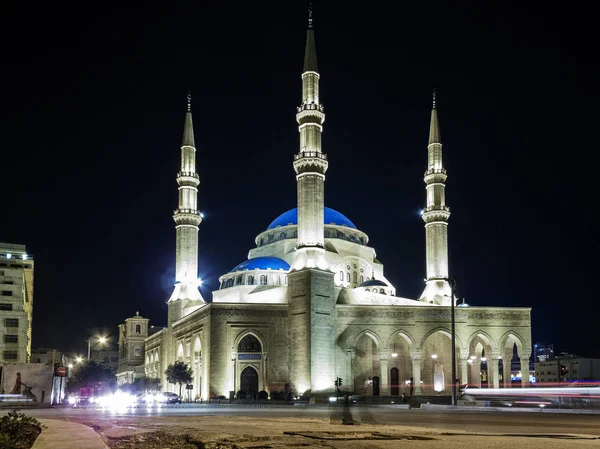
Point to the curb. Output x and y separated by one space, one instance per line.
510 409
67 435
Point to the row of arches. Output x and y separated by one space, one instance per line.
402 365
254 279
333 234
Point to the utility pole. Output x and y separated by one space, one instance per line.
452 282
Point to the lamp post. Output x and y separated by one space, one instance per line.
452 283
101 340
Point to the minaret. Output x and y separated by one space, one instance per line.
436 215
310 283
310 163
186 296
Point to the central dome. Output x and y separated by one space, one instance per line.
331 217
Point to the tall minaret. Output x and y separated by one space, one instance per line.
186 296
436 215
310 163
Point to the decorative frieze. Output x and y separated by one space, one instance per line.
249 356
499 316
256 313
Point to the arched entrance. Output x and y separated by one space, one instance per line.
249 380
394 385
376 386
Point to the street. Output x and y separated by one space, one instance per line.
459 421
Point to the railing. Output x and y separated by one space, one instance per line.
435 171
188 174
310 107
186 211
436 208
303 154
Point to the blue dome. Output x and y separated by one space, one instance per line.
331 217
263 263
373 283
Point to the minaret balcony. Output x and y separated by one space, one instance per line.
310 107
192 217
310 111
303 154
433 214
188 178
310 161
434 175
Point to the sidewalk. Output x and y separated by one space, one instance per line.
67 435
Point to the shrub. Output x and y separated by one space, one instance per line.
18 431
263 395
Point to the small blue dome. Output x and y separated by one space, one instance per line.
373 283
263 263
331 217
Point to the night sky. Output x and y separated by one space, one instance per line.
94 110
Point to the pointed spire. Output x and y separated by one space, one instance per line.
310 54
434 127
188 129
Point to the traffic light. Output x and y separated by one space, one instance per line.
340 381
336 381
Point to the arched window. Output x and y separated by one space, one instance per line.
263 280
282 236
239 279
249 344
229 283
295 234
222 285
271 237
348 277
327 233
352 238
262 241
340 235
354 277
250 280
138 329
278 280
361 240
342 276
362 279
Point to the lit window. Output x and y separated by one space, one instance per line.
342 276
263 280
137 352
348 277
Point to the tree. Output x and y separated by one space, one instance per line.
92 374
179 373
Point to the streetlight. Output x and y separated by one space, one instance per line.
101 340
452 283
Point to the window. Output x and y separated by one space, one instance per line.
367 290
327 233
340 235
354 277
7 282
138 329
382 291
229 283
362 279
10 355
295 234
249 344
137 352
6 293
352 238
263 280
282 236
11 338
250 280
271 236
239 279
342 276
11 322
261 242
348 277
5 306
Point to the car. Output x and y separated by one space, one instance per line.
170 398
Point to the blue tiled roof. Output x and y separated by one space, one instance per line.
331 217
262 263
373 283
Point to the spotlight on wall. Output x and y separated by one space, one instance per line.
473 357
434 356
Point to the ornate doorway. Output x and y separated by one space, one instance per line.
249 380
395 387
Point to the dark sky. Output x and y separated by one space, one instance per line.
94 109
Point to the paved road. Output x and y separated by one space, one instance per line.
486 422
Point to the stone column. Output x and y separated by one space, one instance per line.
476 372
506 370
265 371
384 386
493 368
233 371
416 361
524 362
464 367
350 354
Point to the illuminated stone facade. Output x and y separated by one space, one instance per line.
312 302
16 303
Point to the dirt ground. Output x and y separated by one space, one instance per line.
221 432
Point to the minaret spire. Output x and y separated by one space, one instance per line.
186 296
436 215
310 163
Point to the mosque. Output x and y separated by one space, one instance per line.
312 302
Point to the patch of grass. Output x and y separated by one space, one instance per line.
18 431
